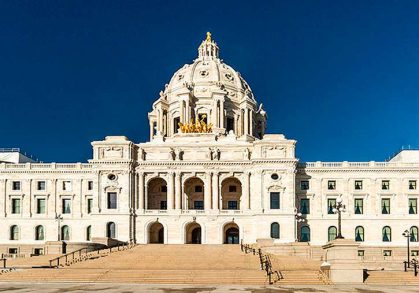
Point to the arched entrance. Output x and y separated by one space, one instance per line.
193 233
157 194
156 233
231 234
194 191
231 191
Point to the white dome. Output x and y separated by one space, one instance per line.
208 72
211 91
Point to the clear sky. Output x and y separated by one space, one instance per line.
340 77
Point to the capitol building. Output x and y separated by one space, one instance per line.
209 174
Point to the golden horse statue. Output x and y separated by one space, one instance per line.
199 126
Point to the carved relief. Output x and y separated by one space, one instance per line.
112 152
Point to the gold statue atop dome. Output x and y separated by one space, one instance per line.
199 126
208 37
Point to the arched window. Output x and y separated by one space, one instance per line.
275 230
332 232
39 233
65 233
305 234
414 234
14 232
110 230
89 233
359 234
386 234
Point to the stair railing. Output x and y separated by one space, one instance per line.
414 264
84 253
265 262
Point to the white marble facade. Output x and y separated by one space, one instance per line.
234 183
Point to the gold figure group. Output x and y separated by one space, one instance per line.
199 126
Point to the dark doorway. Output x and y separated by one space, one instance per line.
161 236
232 236
196 235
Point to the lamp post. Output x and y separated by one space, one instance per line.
58 218
407 234
339 208
298 219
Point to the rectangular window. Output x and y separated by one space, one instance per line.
232 205
386 252
67 185
16 185
198 188
412 184
361 252
40 205
66 206
304 185
38 251
232 188
359 206
40 185
305 206
198 205
163 205
90 185
15 205
12 250
358 184
112 199
414 252
413 206
331 203
385 206
275 200
331 184
385 184
89 205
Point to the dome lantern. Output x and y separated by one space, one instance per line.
208 48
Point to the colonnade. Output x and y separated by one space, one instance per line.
176 183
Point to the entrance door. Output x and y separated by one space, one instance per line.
232 236
161 236
196 235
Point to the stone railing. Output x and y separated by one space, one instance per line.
43 166
345 164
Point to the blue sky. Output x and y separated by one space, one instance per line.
340 77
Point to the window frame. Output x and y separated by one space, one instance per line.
304 185
357 199
272 201
331 184
275 230
358 185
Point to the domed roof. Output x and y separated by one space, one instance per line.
208 72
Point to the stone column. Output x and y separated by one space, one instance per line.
151 129
140 191
178 191
182 112
222 114
171 191
215 191
207 191
246 121
246 192
251 122
188 111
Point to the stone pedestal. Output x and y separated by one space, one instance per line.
345 267
55 247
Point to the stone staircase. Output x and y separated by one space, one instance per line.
392 277
173 264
